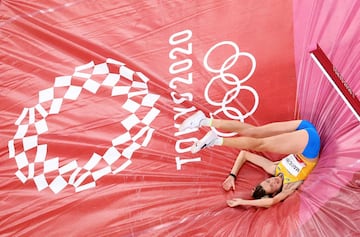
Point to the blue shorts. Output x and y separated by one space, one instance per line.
312 148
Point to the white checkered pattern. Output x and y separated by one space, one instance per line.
41 162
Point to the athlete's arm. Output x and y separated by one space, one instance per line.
263 202
267 165
287 190
266 202
243 156
229 182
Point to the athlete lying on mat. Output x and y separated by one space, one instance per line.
298 139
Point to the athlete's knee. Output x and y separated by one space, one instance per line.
264 144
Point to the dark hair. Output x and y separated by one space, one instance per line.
259 192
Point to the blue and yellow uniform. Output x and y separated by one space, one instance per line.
297 167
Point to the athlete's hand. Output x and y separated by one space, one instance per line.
229 183
234 202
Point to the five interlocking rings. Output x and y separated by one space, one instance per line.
231 80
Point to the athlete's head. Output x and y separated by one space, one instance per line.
270 187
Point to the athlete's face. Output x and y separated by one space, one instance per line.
272 185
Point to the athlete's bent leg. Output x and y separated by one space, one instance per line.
199 119
286 143
247 130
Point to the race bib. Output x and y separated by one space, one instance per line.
293 165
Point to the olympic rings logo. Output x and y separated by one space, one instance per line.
231 80
36 116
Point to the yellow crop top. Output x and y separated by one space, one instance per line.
294 168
